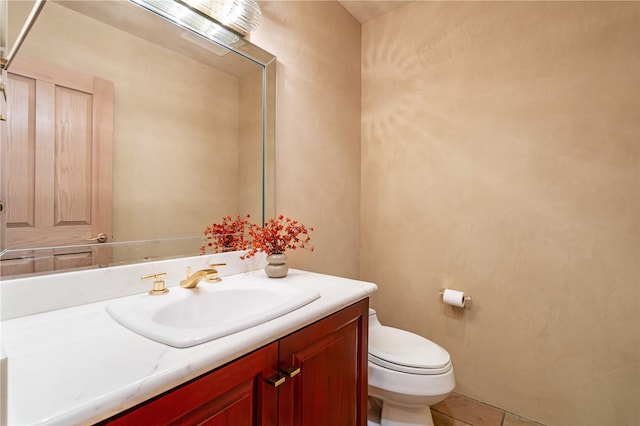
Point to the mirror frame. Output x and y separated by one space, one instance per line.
147 249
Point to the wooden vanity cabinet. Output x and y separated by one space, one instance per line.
233 395
321 373
331 388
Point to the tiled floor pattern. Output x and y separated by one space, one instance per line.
458 410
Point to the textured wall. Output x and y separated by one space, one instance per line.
318 126
500 156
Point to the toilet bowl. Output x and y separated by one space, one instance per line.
407 374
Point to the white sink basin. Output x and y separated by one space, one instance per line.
188 317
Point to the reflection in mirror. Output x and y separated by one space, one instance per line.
124 124
22 15
3 32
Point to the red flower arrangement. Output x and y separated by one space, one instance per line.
278 235
226 236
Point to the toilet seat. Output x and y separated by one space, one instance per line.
406 352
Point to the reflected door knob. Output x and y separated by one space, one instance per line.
101 238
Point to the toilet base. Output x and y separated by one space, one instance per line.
387 414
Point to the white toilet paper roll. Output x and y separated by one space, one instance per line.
453 298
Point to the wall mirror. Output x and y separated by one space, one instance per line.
123 123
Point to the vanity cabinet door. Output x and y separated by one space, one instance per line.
331 386
233 395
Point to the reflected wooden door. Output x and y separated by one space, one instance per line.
3 135
57 165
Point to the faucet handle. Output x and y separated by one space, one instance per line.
158 284
213 276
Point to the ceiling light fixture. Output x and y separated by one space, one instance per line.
223 21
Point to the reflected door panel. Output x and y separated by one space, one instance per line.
57 163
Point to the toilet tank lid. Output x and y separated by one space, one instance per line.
406 349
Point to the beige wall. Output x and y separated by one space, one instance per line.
318 127
500 157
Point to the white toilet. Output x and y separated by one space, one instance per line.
407 374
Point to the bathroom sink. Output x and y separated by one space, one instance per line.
189 317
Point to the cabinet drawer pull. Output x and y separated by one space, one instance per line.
275 380
290 371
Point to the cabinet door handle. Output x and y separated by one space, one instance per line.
275 380
290 371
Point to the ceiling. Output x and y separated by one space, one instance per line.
364 10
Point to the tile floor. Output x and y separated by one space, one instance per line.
458 410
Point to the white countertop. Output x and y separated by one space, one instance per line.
79 366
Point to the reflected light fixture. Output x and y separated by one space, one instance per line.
223 21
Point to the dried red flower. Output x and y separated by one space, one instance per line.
278 235
226 236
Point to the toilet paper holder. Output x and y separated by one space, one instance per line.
467 298
441 293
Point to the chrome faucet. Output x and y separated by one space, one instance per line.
210 275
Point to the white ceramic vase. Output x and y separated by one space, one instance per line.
276 265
